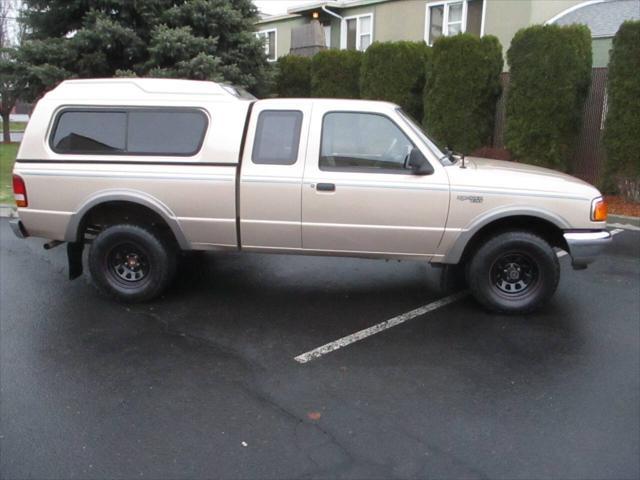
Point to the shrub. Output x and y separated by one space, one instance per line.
336 74
394 71
462 87
550 75
622 127
293 78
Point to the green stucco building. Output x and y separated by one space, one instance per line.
355 24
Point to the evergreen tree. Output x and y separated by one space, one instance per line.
621 134
197 39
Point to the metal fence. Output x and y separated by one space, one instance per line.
589 155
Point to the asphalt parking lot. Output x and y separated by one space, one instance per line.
204 382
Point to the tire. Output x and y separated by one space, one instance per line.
131 263
513 272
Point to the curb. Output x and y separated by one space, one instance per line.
624 220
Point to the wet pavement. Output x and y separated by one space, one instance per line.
203 382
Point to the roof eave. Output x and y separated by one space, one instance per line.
276 18
340 4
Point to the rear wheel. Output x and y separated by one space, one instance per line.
131 263
514 272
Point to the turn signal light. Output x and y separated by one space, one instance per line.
599 210
20 191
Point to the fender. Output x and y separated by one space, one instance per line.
455 252
132 196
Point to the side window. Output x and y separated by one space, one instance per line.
277 137
130 131
165 132
90 132
370 142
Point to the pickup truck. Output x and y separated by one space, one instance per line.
141 169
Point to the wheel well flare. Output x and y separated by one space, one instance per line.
117 212
545 229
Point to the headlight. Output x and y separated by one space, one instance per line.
598 210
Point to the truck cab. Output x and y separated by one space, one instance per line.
333 176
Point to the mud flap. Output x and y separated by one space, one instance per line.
452 279
74 255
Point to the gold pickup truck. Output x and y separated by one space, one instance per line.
140 169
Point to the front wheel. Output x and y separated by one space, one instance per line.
513 272
131 263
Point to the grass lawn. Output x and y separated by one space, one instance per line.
16 126
8 153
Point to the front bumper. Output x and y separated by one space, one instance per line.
18 228
584 247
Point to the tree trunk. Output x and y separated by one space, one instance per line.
6 126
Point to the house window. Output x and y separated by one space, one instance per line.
451 17
357 32
269 39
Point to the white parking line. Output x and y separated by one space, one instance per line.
392 322
367 332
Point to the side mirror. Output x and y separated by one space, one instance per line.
418 163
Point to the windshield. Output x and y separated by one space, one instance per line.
417 129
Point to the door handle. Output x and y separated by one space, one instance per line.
326 187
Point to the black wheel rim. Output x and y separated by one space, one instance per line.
514 274
128 264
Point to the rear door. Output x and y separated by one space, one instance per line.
357 194
271 175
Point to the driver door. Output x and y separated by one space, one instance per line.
359 197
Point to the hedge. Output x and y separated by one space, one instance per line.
550 75
336 74
462 87
622 127
293 78
394 71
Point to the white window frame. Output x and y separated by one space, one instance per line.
445 17
327 35
259 34
343 30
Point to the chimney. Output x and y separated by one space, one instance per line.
308 39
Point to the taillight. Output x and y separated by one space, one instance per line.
20 191
599 210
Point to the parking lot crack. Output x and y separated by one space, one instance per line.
201 341
300 422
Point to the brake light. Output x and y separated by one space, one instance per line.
20 191
599 210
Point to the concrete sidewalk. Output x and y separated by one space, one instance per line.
7 211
